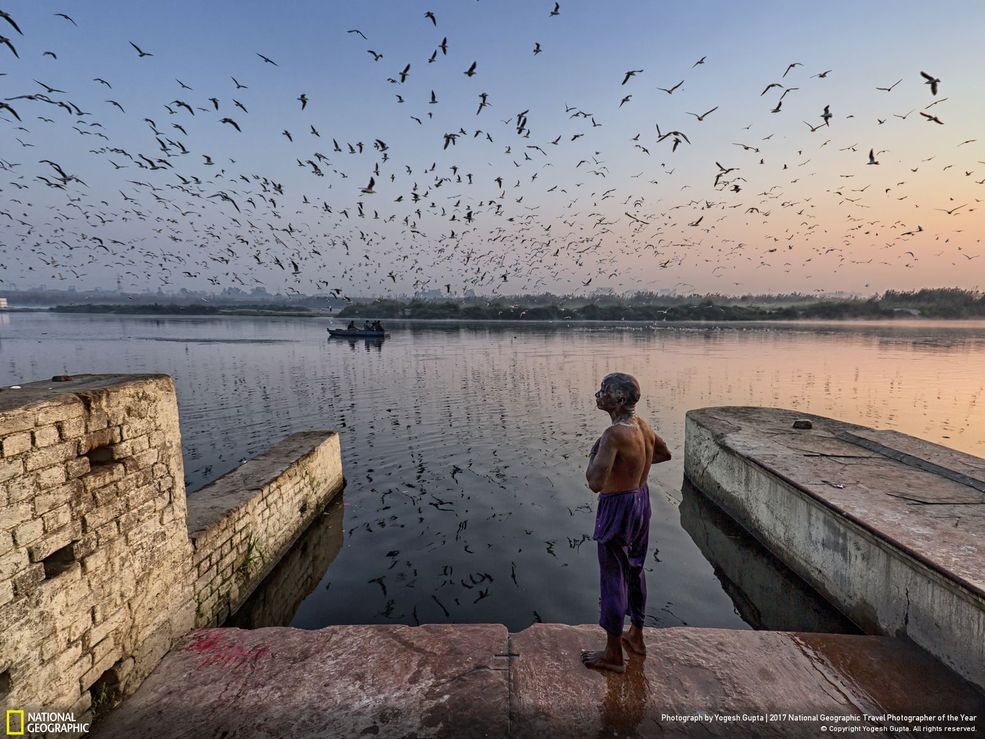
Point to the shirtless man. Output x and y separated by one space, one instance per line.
617 470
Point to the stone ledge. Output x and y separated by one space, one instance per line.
36 393
477 681
234 490
339 681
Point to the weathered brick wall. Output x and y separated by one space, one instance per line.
103 561
241 524
296 575
92 532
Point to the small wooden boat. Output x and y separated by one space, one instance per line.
340 333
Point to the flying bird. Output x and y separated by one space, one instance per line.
671 90
872 157
140 51
6 16
470 72
932 81
557 9
702 116
631 73
268 60
791 66
430 15
68 18
890 88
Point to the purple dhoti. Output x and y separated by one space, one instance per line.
622 530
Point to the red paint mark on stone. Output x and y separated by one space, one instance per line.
203 642
219 651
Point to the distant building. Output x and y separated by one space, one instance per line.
3 302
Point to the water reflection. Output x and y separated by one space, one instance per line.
765 592
277 597
465 444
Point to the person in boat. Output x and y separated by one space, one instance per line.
377 326
367 326
618 466
351 326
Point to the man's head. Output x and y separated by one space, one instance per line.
618 390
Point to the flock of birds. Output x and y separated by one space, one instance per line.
364 217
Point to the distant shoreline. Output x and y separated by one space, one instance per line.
706 310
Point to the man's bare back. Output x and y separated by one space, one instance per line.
622 456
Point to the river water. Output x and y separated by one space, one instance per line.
464 446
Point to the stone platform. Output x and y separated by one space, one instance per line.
481 681
887 527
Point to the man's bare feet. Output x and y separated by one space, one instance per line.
633 640
608 659
603 661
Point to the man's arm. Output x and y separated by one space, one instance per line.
601 461
660 451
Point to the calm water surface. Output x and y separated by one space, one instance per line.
464 446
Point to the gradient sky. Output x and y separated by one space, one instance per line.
810 214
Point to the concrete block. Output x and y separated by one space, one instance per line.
53 455
97 669
10 468
51 477
57 518
13 562
45 436
77 467
6 592
6 542
140 461
97 439
102 475
46 500
50 542
16 443
16 420
27 581
130 447
60 412
71 429
28 531
23 488
98 419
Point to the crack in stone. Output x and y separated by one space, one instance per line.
814 658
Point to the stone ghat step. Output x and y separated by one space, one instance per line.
887 527
481 681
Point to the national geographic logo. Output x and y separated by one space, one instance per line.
19 723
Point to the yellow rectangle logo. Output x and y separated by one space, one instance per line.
10 714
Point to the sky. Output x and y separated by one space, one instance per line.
579 193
